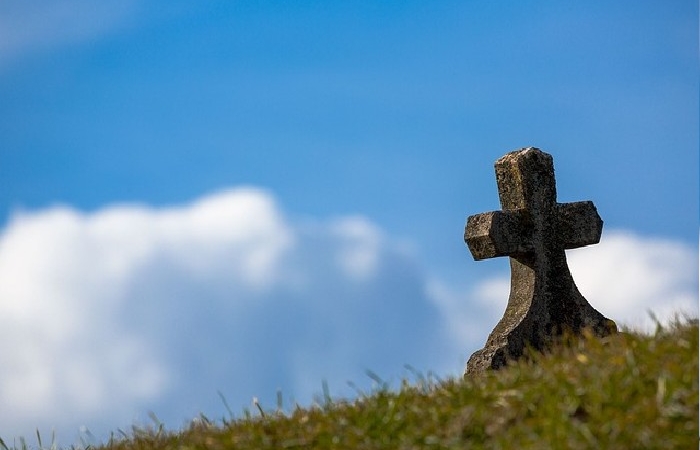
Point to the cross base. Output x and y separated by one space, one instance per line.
536 321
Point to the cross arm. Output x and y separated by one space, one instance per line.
579 224
498 233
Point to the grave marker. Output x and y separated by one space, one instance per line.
534 230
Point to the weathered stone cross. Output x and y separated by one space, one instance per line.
534 230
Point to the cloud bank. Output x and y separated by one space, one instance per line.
109 315
106 316
631 279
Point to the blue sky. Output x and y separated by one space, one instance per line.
245 196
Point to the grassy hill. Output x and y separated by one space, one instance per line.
629 391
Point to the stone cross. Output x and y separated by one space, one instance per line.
534 230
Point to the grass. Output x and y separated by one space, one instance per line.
626 391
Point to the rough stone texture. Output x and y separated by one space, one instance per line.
534 230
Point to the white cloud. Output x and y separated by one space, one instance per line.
108 315
28 26
66 280
625 277
360 241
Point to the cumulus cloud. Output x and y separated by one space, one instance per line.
69 282
106 316
627 276
631 279
109 315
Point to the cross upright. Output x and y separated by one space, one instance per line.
534 231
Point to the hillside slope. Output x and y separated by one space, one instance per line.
627 391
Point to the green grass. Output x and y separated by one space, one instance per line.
629 391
